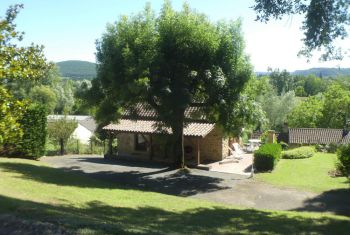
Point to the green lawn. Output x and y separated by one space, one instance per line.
83 205
307 174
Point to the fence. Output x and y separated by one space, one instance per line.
74 146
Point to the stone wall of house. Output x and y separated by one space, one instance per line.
214 147
126 144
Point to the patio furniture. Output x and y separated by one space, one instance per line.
253 145
237 151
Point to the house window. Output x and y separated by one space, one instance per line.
140 143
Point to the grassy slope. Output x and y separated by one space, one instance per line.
32 190
310 174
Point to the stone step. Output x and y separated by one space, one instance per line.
227 161
204 167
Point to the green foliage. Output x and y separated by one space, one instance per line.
277 108
336 107
16 64
77 69
307 114
332 148
60 130
45 96
267 156
281 81
297 153
34 124
313 85
11 111
325 22
343 163
284 145
171 62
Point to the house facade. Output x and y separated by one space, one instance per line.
140 135
85 129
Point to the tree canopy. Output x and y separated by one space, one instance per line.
325 22
172 61
16 63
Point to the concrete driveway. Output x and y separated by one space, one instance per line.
224 188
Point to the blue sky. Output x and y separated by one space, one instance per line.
69 28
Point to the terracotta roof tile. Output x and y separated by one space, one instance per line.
145 111
315 135
150 127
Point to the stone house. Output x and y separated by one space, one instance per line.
139 134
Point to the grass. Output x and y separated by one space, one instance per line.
82 205
308 174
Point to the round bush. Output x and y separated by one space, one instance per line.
298 153
267 156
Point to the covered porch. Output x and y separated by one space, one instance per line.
145 140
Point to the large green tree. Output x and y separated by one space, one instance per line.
336 108
325 21
172 61
16 63
308 113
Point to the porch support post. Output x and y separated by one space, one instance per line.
198 152
151 147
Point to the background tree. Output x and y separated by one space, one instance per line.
45 96
325 21
171 62
336 107
308 113
314 85
281 80
277 108
60 130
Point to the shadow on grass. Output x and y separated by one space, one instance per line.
336 201
173 184
101 218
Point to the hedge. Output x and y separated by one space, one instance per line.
33 123
343 162
267 156
298 153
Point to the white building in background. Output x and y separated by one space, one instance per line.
85 129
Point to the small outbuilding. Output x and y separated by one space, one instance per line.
138 133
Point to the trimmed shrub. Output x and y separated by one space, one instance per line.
332 148
320 148
343 162
267 156
301 152
284 145
33 123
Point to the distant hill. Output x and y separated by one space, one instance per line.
324 72
320 72
77 69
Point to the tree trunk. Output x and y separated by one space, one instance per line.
178 143
62 146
